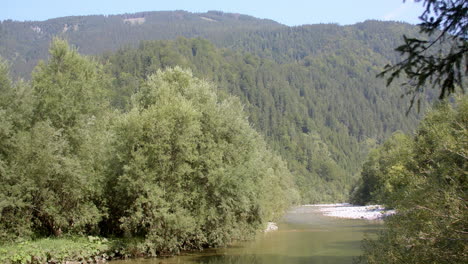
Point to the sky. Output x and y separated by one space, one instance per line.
288 12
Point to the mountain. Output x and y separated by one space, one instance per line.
24 43
310 90
322 114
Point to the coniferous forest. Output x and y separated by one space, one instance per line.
311 91
171 131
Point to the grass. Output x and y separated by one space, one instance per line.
74 249
58 250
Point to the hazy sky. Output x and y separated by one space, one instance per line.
289 12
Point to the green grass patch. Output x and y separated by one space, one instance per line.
73 248
56 250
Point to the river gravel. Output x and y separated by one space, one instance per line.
271 226
349 211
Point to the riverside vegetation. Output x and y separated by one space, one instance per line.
181 169
158 158
424 178
310 91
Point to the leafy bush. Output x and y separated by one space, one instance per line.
430 226
189 171
55 250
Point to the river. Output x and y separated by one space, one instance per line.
304 236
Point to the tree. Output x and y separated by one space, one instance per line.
430 226
441 59
68 88
323 143
384 175
52 146
14 206
188 170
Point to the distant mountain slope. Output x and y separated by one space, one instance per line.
24 43
310 90
322 114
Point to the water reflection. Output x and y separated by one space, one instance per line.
304 236
264 259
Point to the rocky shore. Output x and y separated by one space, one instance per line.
271 226
349 211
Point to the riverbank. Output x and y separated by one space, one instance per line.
349 211
56 250
74 250
71 250
78 250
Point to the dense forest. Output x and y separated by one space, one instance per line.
310 91
186 131
181 167
322 125
424 177
24 43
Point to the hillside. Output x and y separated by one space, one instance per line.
322 115
24 43
310 90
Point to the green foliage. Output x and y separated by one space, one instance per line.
15 216
430 226
56 250
178 165
384 174
50 162
318 124
298 84
68 87
181 169
57 184
5 82
189 171
25 43
14 204
441 59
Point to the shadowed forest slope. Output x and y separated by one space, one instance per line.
310 90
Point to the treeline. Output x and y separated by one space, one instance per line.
310 90
179 166
24 43
424 177
321 114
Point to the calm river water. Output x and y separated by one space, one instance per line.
304 236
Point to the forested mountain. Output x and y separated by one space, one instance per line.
322 113
310 90
24 43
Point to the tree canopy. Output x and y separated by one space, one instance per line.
320 124
424 179
181 168
441 58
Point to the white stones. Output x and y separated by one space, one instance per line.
369 212
271 226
